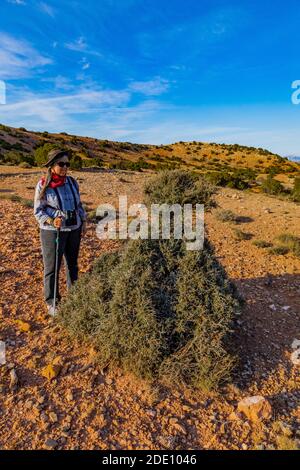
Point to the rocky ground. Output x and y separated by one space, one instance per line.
84 407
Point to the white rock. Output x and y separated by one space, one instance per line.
2 353
13 378
296 344
295 357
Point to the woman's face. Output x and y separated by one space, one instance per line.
61 170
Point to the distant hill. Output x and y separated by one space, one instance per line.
18 146
293 158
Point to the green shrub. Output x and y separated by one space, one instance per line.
96 161
296 190
291 242
240 235
279 250
238 179
76 162
262 244
156 309
272 186
41 153
226 216
24 165
179 187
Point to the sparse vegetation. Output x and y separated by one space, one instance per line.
290 242
240 235
272 186
296 190
279 250
226 216
262 244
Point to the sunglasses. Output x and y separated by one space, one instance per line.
62 164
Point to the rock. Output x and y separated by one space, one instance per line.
23 326
44 417
109 381
295 357
296 344
285 429
13 379
69 395
255 408
58 361
2 353
51 443
51 371
53 417
234 416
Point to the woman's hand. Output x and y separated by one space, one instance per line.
84 228
57 222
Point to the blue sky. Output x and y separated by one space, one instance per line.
153 71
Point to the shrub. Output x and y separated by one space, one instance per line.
156 309
41 153
226 216
291 242
24 165
95 161
179 187
279 250
240 235
76 162
239 179
262 244
272 186
296 190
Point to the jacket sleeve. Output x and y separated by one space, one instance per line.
81 210
41 211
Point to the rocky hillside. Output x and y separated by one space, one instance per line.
18 146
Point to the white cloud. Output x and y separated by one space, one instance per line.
17 2
59 111
47 9
18 58
157 86
84 63
80 45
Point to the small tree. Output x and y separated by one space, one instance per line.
76 162
41 153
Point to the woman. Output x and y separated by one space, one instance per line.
62 221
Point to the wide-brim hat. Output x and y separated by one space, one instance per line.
56 154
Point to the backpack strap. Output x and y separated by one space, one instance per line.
72 183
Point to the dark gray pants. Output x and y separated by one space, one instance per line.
69 243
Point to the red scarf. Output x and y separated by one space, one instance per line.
56 180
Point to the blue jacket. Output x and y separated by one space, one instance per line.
52 206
